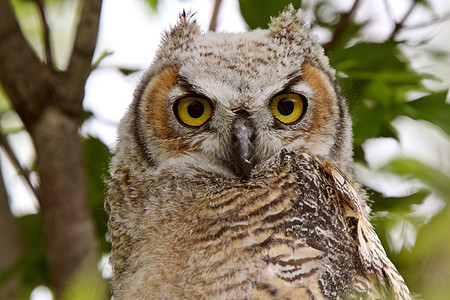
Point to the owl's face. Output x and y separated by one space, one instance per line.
235 100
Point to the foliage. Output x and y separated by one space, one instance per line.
32 264
257 13
97 157
377 80
153 3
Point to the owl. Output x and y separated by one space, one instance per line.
232 175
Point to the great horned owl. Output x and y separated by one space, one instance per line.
232 177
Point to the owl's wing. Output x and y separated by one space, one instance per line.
378 267
326 247
321 244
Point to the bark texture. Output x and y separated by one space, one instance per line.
49 102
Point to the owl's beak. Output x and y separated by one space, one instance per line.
243 149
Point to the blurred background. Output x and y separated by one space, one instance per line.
393 64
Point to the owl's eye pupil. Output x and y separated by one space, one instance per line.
285 106
195 109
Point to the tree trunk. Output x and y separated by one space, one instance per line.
66 219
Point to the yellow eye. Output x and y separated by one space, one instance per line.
287 108
193 111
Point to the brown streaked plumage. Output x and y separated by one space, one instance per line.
256 200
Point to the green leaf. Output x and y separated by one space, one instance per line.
97 157
86 284
396 77
367 57
377 79
257 13
397 205
86 115
426 268
367 120
4 103
33 263
153 3
128 71
432 108
410 168
8 273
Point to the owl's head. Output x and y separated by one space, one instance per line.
233 101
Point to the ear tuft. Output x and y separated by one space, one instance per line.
289 24
291 29
183 31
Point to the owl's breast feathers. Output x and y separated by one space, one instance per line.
295 230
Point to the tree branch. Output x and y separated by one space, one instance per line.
47 42
25 174
399 25
21 71
99 59
340 27
213 22
80 62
